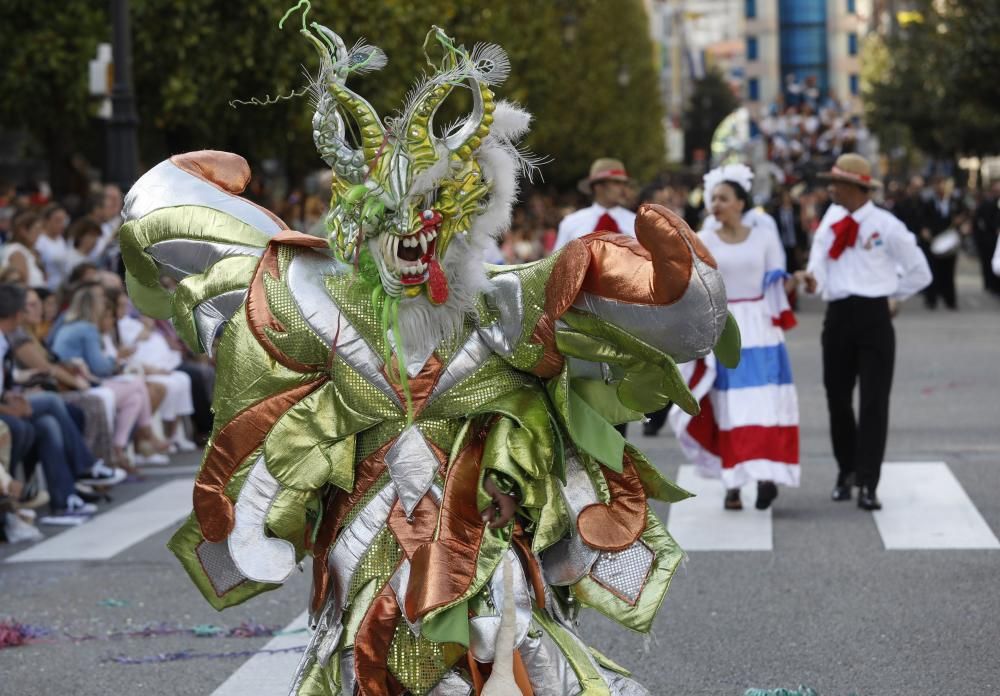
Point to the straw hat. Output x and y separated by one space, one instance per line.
853 169
603 169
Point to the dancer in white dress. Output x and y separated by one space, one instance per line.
748 426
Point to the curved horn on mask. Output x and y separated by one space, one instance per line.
338 63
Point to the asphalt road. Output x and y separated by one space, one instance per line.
828 607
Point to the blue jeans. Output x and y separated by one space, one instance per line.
59 446
22 439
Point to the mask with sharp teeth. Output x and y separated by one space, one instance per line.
403 193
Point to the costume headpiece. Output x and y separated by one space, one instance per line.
737 173
404 192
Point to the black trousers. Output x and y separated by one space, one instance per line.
943 280
859 345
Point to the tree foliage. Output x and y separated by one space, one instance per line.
590 96
935 79
711 101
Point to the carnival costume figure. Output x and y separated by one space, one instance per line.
374 388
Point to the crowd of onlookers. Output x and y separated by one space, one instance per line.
90 391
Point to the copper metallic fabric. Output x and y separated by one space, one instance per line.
618 524
442 571
229 449
653 268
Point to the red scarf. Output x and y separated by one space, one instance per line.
845 234
606 223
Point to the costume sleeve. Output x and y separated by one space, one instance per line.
606 320
914 272
185 221
283 434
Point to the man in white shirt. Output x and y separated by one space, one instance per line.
863 260
608 184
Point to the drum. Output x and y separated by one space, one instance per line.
946 243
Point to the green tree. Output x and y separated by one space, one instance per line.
711 101
934 80
590 96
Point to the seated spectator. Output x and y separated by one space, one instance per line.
83 237
78 338
38 368
19 253
42 428
151 356
52 246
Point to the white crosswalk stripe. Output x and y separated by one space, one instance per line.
269 673
925 507
701 523
113 531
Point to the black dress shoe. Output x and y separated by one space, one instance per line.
766 493
867 500
840 493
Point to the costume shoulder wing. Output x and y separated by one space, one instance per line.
186 223
613 315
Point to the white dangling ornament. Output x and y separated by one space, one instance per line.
501 681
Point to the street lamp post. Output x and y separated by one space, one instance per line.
122 150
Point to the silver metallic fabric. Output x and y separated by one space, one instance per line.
624 572
411 464
219 566
620 685
483 629
549 671
213 313
166 185
567 561
414 361
507 297
469 358
400 582
347 680
675 329
179 258
306 275
453 684
258 556
353 542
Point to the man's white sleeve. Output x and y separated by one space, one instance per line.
911 264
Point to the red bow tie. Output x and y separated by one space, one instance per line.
845 234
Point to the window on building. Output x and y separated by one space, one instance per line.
753 89
751 48
852 44
852 6
855 84
751 9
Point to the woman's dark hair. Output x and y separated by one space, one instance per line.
23 221
81 228
741 194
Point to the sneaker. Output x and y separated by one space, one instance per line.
76 506
102 475
155 459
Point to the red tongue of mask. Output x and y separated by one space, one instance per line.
437 283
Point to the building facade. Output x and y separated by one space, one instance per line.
796 48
